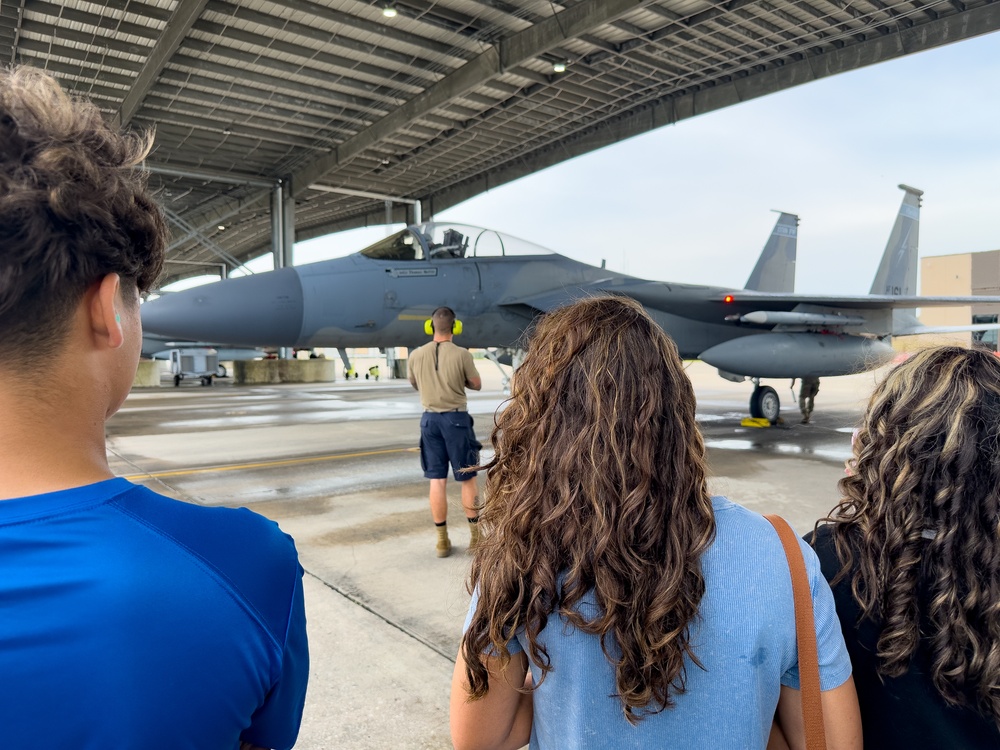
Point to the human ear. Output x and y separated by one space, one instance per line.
105 319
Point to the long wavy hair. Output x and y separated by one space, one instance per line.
598 484
918 528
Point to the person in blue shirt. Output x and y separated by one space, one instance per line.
616 604
127 619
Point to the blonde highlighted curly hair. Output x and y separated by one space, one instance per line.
918 529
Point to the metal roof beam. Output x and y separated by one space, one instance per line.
254 112
285 70
135 7
199 117
180 23
109 23
220 217
352 105
231 178
100 59
11 24
507 53
255 95
89 38
79 71
881 6
406 60
371 27
671 109
346 66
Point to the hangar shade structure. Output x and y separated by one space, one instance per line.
262 106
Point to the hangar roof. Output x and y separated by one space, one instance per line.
439 103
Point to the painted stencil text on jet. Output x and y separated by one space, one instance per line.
401 272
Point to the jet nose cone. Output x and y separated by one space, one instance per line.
260 310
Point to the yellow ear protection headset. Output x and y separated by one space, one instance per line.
456 327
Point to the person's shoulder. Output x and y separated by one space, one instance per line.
463 352
418 352
203 521
822 542
743 532
739 529
735 517
246 552
821 536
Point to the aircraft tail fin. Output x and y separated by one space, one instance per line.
775 269
897 274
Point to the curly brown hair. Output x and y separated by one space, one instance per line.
918 527
598 484
73 208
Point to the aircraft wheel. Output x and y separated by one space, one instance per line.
768 403
221 371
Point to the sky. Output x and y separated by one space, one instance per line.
692 202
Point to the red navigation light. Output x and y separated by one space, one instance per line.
728 298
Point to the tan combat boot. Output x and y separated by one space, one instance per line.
444 543
474 537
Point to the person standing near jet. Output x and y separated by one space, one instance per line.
129 619
441 371
808 389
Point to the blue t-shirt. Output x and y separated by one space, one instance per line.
744 637
131 620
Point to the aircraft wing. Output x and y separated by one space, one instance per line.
857 302
915 330
678 298
552 299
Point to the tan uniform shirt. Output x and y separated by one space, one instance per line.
440 370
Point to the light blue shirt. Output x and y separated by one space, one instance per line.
744 637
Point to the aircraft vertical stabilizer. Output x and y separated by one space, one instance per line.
775 269
897 274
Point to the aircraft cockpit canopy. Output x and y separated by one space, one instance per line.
437 241
400 246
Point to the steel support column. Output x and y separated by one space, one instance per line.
282 233
281 248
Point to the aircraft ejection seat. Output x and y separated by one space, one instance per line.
453 244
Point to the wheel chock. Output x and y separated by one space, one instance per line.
755 422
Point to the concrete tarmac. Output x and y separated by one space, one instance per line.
336 466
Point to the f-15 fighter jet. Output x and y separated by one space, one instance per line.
498 285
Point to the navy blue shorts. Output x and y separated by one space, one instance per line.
448 438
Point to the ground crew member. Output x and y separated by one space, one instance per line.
807 395
441 371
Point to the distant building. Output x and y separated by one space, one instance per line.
955 275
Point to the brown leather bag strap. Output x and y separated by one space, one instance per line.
805 636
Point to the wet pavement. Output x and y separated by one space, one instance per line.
336 466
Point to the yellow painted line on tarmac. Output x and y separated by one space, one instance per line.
266 464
